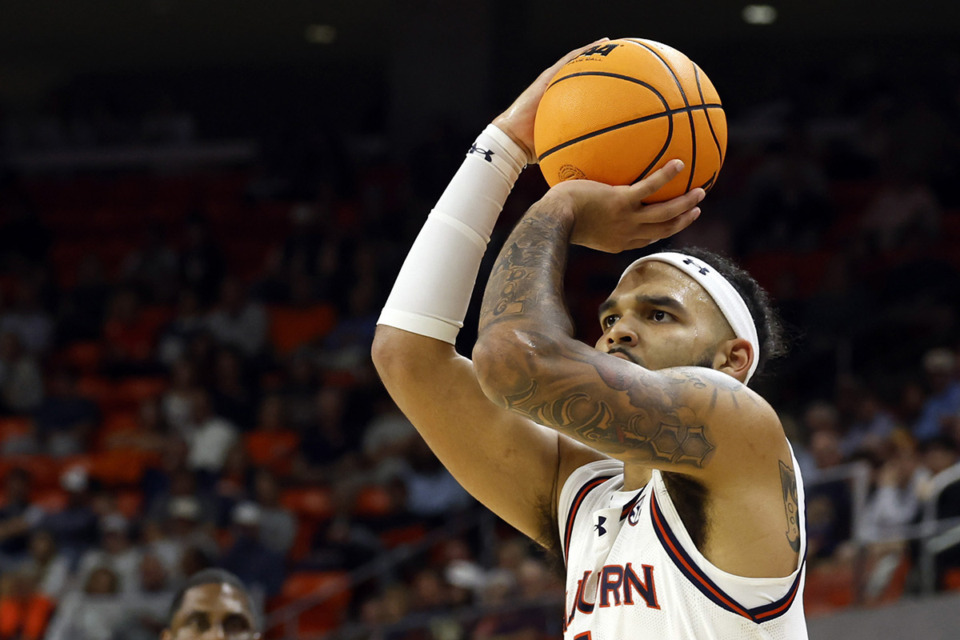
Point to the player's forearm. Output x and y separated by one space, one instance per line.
525 288
523 317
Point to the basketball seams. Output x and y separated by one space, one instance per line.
686 102
706 114
628 123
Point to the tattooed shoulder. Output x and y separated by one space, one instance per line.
788 482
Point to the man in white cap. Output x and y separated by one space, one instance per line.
667 485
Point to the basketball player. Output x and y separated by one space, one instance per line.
212 603
666 484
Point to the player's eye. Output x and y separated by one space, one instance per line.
659 315
200 623
236 627
608 321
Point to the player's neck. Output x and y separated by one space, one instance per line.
635 476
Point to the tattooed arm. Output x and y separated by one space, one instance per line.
694 420
528 362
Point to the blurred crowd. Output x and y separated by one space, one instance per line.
185 377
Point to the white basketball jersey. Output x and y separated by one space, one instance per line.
634 572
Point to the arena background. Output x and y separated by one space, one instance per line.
204 204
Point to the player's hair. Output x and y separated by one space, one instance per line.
207 576
765 317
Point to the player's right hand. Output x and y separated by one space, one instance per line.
614 218
517 120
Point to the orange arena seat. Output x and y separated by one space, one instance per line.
326 615
291 327
315 503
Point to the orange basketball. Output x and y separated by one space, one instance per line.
624 108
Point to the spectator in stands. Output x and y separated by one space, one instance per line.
429 592
153 268
329 451
208 435
278 526
943 401
181 483
261 568
128 337
176 401
828 500
386 439
939 454
237 321
28 320
432 493
17 517
30 592
233 484
789 180
75 526
65 419
150 433
21 382
24 238
347 347
146 610
342 543
82 306
201 265
303 321
90 614
182 534
298 390
116 552
272 445
904 210
872 425
895 498
233 393
174 337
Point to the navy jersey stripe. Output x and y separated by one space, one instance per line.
575 507
708 587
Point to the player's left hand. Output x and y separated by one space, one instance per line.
614 218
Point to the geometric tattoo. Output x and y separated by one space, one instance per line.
788 480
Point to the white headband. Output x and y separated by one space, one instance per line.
731 304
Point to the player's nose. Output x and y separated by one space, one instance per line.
622 333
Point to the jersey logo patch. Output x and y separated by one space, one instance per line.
634 517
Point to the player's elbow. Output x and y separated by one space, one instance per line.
404 358
391 352
505 361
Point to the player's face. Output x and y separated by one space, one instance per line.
658 317
212 611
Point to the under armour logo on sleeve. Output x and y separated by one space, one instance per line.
487 153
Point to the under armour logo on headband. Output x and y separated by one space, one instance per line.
703 270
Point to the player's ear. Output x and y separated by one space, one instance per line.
166 635
734 358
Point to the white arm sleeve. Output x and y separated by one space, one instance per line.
433 288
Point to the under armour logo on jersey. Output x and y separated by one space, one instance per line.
599 526
487 153
703 270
